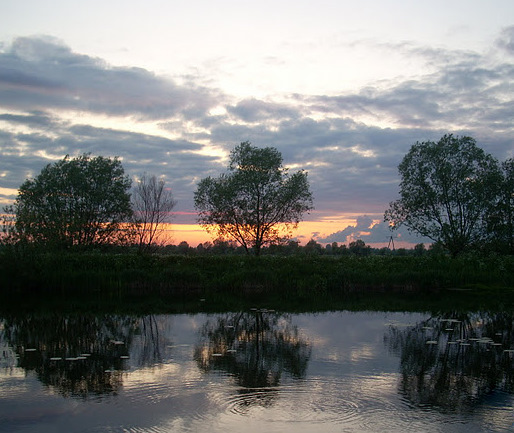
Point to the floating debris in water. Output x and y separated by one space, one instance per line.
431 342
85 354
124 357
231 351
117 342
217 354
30 350
71 359
56 358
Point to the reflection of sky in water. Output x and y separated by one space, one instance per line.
351 384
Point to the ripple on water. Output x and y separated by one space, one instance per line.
314 401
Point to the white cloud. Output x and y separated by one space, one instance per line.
54 101
372 232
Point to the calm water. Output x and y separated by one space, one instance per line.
258 371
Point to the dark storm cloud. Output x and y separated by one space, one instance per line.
42 73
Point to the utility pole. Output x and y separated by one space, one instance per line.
391 242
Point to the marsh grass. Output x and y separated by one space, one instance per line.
290 277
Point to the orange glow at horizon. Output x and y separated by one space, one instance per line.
194 234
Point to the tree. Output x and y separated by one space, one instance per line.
152 204
501 216
359 248
257 202
446 190
313 248
419 249
81 201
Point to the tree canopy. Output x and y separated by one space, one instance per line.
82 201
446 192
501 215
257 202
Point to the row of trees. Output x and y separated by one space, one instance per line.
293 247
86 202
451 191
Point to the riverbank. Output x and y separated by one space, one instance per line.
268 281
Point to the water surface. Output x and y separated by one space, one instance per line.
257 371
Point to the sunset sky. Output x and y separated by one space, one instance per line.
342 89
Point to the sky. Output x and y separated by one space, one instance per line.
342 89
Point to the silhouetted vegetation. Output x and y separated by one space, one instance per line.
456 194
296 273
257 202
80 202
68 234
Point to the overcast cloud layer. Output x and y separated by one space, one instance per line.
55 101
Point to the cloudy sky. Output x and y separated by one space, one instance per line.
342 89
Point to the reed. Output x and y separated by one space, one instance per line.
133 274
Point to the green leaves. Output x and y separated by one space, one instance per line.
257 202
79 201
446 192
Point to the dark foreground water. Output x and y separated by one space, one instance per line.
258 371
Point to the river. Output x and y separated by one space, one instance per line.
258 370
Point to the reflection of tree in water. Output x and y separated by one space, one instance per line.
255 348
457 361
81 355
148 342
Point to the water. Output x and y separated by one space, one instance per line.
258 371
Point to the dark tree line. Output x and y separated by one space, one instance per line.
293 247
86 202
451 191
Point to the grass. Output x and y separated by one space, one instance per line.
178 282
130 272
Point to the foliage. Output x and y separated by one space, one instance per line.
446 192
152 204
257 202
501 215
359 248
292 278
80 201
